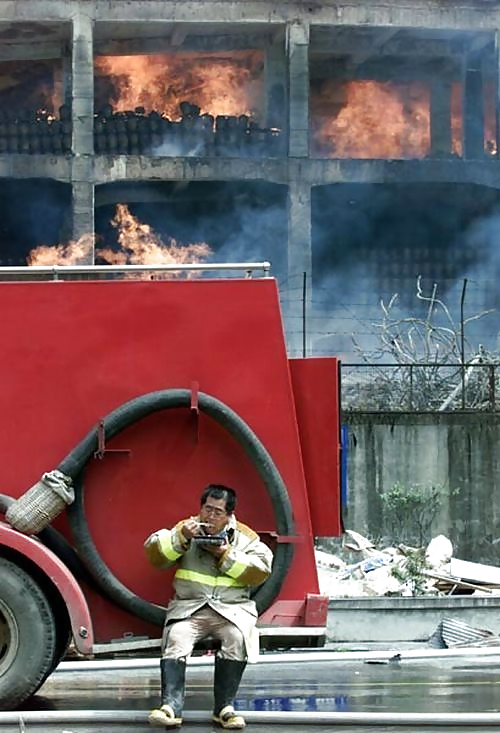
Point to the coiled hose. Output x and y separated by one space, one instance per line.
74 466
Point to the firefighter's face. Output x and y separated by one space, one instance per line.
213 512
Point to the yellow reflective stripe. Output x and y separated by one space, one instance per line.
194 577
166 546
236 569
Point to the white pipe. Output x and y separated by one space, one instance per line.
459 720
290 658
90 269
444 406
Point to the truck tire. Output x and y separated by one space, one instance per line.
27 635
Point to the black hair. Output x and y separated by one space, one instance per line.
218 491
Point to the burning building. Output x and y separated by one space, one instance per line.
354 146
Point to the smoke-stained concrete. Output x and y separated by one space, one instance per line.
298 89
82 71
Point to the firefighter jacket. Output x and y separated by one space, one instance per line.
222 583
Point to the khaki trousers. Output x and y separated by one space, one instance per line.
179 637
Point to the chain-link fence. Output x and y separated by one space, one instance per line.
420 387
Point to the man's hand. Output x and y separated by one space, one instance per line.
190 528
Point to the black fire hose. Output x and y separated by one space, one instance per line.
131 412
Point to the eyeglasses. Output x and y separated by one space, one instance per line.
213 510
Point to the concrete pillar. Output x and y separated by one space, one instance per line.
83 203
440 116
473 109
276 84
297 310
82 110
82 74
298 89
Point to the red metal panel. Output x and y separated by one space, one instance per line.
316 390
284 613
81 349
81 624
316 611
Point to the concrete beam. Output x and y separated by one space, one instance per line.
377 69
140 193
417 14
404 45
313 172
484 172
109 169
35 166
207 43
33 51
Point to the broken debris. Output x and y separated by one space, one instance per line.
402 571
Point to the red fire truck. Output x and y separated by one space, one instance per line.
134 394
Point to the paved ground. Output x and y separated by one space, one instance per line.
468 685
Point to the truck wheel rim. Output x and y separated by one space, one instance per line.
9 638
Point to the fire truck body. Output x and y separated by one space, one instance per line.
145 391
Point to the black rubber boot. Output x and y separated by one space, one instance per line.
173 683
227 678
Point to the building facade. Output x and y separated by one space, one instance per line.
338 127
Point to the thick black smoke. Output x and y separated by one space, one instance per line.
32 213
371 241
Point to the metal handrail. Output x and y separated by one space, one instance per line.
56 270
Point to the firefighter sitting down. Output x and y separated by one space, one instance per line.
219 561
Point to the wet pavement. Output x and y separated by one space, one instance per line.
437 686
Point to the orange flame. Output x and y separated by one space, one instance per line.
219 85
369 119
139 246
73 253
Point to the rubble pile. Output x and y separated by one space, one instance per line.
402 571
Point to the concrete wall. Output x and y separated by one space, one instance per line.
358 620
458 452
